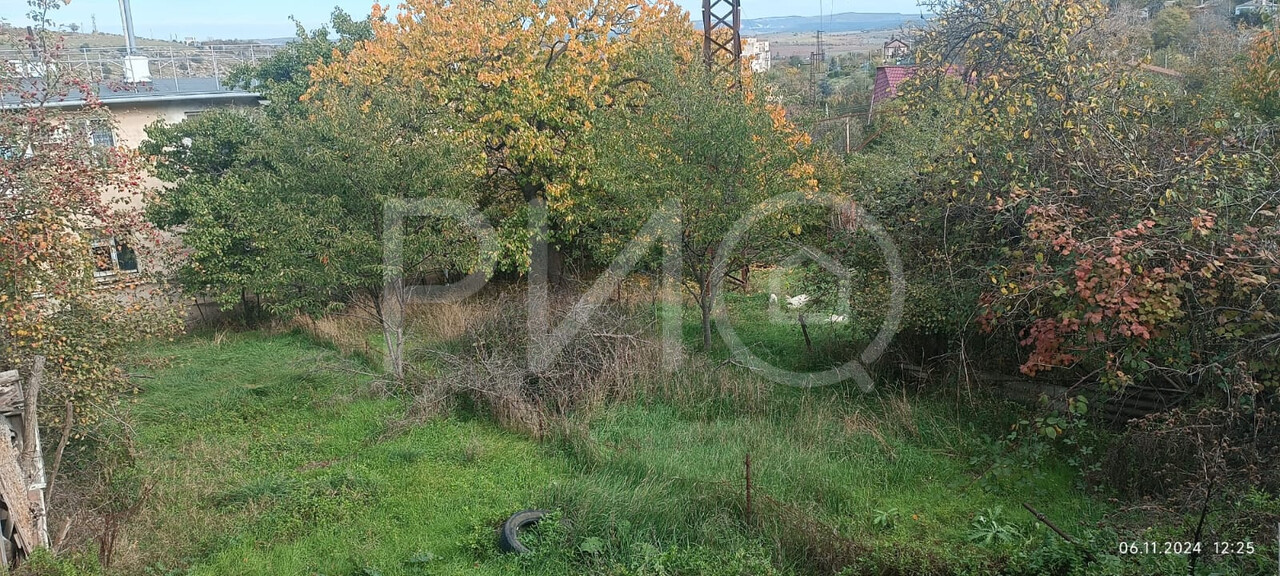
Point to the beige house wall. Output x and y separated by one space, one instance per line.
131 120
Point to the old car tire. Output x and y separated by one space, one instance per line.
509 534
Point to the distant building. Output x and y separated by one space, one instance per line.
757 52
1257 7
136 105
895 50
887 80
138 89
134 101
140 98
890 78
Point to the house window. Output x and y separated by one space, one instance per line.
112 257
100 135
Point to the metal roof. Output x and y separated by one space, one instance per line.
158 90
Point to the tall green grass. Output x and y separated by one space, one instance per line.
272 457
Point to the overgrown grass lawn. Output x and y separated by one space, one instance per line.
272 456
273 459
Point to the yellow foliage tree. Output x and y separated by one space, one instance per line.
520 80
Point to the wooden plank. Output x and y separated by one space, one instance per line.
13 487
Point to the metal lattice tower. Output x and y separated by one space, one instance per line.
817 70
718 49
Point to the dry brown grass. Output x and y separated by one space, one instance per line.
901 416
863 423
481 358
896 418
476 354
437 323
348 333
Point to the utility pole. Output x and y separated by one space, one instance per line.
722 35
817 69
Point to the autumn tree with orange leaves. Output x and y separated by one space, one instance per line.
1259 85
521 80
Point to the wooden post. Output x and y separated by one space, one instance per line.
32 455
30 430
848 134
748 466
804 328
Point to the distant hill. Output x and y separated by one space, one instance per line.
276 41
845 22
77 40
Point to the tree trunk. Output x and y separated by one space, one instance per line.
390 313
30 428
706 326
32 458
555 266
394 338
707 302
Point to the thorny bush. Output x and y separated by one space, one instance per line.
614 353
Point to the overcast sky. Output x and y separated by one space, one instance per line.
270 18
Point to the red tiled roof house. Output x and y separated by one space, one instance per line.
887 80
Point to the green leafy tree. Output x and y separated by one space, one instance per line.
333 175
1090 197
721 153
288 205
205 160
214 161
1172 26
